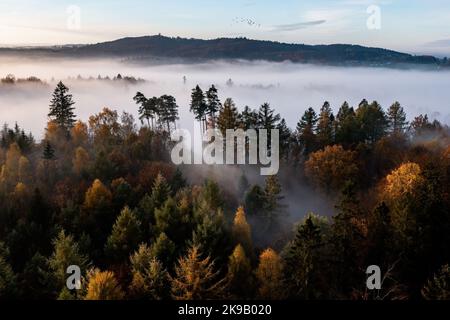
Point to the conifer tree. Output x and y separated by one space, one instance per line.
125 236
306 128
49 152
103 286
198 105
269 276
7 276
242 232
149 277
228 117
61 107
239 274
325 126
66 252
397 118
196 278
212 104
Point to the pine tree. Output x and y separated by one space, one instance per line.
325 126
168 111
198 105
397 118
66 252
438 288
163 249
160 192
228 117
239 274
49 152
269 276
306 260
125 236
267 119
212 104
103 286
273 207
285 136
346 126
149 277
7 276
372 121
196 278
61 110
306 131
242 232
249 118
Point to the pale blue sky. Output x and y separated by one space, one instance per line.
408 25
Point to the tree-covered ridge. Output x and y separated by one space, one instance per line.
104 195
162 47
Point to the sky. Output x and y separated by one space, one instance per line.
416 26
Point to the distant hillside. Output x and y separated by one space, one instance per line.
238 48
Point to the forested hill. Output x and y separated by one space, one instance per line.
240 48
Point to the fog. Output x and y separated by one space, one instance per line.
289 88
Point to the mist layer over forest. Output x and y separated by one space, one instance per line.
289 88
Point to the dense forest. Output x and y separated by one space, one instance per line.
104 196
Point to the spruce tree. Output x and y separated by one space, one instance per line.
396 118
198 105
306 128
325 126
61 108
212 104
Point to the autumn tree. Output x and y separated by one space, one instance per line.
196 278
228 117
125 236
328 169
80 161
150 280
103 286
273 202
242 232
269 275
61 107
239 276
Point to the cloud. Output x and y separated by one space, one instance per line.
297 26
443 43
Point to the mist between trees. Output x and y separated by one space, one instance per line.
356 187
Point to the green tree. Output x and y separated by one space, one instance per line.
396 117
7 276
325 126
306 131
198 105
240 278
346 126
438 288
163 249
267 118
213 104
125 236
372 121
61 110
66 253
149 277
